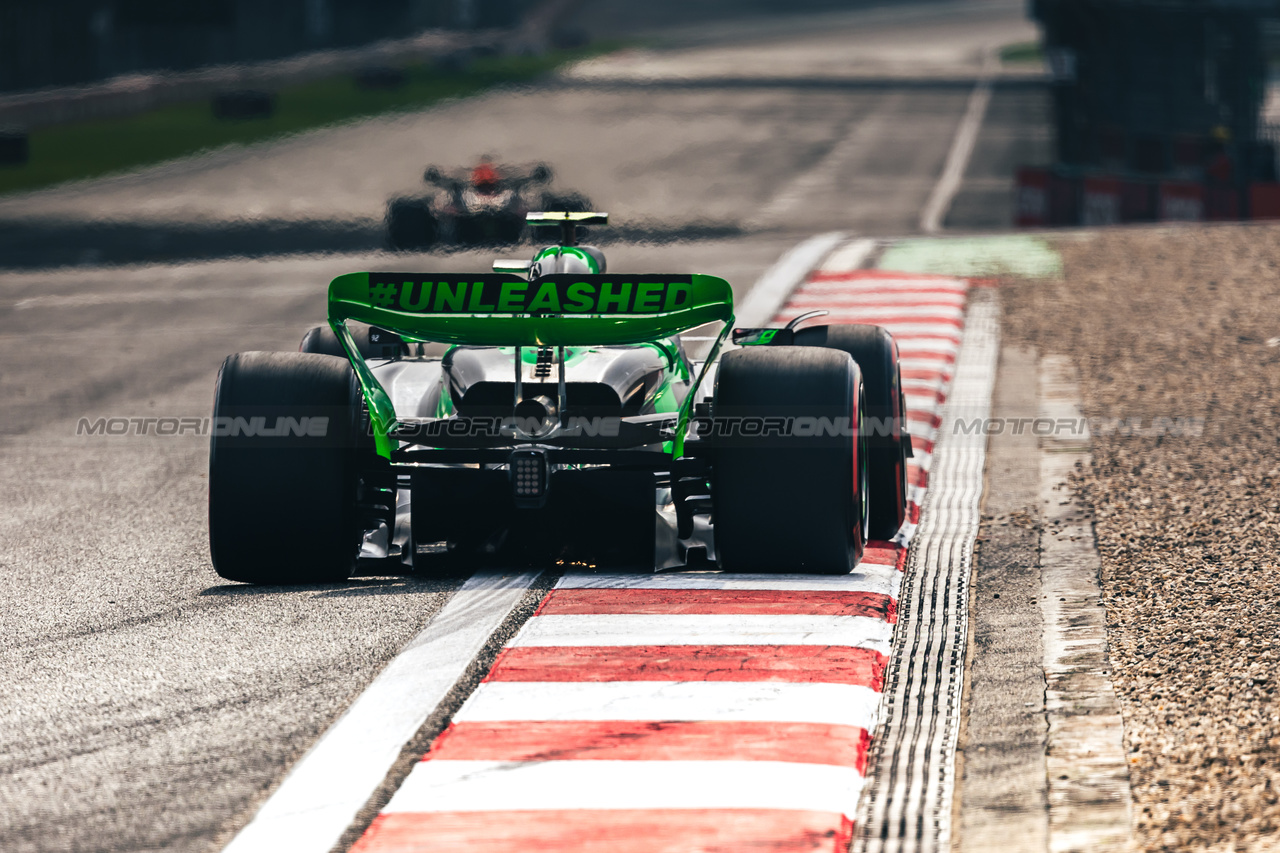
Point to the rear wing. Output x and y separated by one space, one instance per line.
546 217
506 310
566 221
555 310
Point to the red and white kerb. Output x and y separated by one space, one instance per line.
691 711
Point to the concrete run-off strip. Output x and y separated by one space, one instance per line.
1044 767
1003 799
1089 808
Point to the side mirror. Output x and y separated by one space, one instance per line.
432 175
541 173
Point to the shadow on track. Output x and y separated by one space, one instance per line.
356 587
36 244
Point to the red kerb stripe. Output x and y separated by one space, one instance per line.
886 554
608 831
663 740
791 664
567 602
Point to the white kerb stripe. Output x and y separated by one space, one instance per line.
933 391
877 299
321 796
933 386
877 284
898 330
928 345
507 786
716 701
921 431
870 312
719 629
942 362
923 406
921 403
849 257
867 578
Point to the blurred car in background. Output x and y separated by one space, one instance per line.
484 205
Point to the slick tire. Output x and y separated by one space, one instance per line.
788 499
282 508
321 340
566 202
411 226
876 353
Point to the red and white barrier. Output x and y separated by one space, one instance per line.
1102 201
1032 204
1181 201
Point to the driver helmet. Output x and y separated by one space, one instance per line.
484 176
574 260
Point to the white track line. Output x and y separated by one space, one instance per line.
321 796
504 786
770 292
718 629
944 192
849 257
720 701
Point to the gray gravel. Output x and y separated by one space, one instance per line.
1182 323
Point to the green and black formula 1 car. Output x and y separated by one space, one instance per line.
549 414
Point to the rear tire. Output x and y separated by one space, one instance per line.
283 509
566 202
876 353
793 500
322 341
411 226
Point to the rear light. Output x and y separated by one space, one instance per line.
529 478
